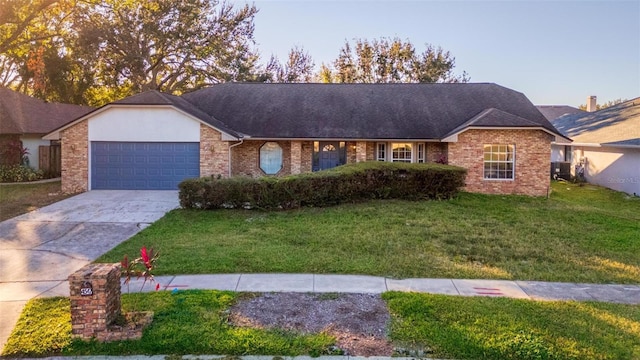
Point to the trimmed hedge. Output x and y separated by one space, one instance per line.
347 183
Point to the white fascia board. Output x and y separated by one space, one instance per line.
586 144
621 146
601 145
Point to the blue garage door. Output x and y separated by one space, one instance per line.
142 165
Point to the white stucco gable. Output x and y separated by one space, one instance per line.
142 123
150 123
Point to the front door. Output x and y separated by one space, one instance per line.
329 154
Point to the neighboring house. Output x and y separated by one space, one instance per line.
606 144
154 140
561 152
24 120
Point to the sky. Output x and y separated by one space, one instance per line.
555 52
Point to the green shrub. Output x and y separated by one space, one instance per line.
19 173
347 183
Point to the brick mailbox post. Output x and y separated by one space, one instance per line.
95 300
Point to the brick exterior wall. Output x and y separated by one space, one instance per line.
75 158
214 153
371 151
245 158
8 153
92 315
533 151
358 151
436 151
351 152
361 151
306 160
296 157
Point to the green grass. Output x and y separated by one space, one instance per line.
581 234
189 322
194 322
501 328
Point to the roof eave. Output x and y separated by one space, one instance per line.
611 145
263 138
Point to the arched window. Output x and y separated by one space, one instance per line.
270 158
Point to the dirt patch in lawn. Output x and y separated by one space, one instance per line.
19 199
358 321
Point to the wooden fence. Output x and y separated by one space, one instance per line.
49 159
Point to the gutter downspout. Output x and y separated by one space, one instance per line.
231 146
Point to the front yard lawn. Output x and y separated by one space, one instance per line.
581 234
189 322
500 328
436 326
20 198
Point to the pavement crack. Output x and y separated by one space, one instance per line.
61 254
63 234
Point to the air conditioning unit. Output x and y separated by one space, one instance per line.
561 170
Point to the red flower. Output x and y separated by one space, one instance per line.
157 287
145 257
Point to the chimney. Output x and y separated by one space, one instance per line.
592 103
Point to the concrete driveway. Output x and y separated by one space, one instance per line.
39 250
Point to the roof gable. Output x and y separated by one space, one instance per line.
22 114
153 98
498 119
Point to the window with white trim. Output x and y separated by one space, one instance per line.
401 152
270 158
420 155
381 152
499 163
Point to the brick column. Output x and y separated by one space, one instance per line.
361 151
296 157
92 311
214 153
75 158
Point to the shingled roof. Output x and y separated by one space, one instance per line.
22 114
615 124
552 112
364 111
350 111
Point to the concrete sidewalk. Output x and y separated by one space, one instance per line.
12 302
535 290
